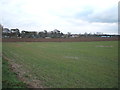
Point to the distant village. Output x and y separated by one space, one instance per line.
15 33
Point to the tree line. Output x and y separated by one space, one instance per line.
15 33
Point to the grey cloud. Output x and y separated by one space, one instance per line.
106 16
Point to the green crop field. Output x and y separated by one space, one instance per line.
65 64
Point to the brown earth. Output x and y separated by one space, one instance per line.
30 81
82 39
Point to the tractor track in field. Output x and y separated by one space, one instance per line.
30 81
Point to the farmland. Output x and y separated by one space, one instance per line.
65 64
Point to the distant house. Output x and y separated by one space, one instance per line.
6 33
106 36
15 33
47 37
74 36
6 30
28 34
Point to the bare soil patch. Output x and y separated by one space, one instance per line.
82 39
72 57
104 46
23 75
17 45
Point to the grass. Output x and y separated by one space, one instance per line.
9 78
67 64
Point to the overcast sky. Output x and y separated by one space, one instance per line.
75 16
